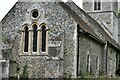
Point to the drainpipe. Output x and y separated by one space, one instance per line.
77 50
80 31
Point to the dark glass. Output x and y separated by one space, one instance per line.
43 38
35 14
95 5
26 39
34 38
99 5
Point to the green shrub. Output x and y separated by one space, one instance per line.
119 14
24 75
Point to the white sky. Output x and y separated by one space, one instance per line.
6 5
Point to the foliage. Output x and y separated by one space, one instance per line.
5 38
101 73
24 75
119 14
83 74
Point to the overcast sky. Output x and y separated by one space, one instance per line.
6 5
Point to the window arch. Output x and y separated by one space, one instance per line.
26 36
34 38
43 38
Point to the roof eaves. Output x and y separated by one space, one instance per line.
105 35
81 23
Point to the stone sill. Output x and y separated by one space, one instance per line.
54 58
4 60
33 54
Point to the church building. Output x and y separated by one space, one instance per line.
53 39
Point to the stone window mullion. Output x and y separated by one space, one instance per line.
22 42
39 41
47 36
30 41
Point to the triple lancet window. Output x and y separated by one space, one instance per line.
97 4
34 38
